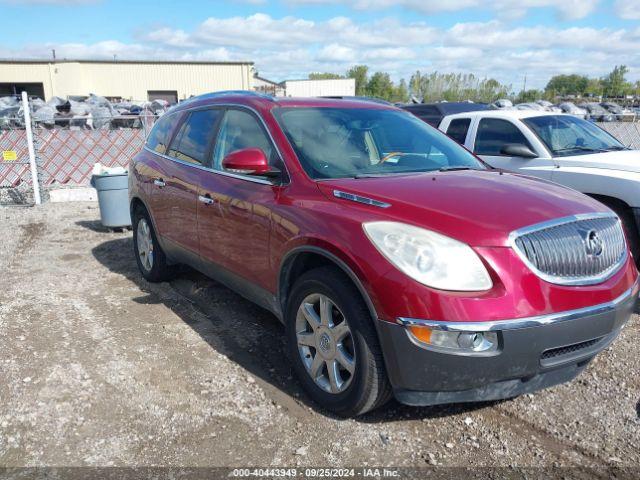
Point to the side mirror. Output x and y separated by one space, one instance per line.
517 150
249 161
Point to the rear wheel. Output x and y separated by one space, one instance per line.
333 344
151 260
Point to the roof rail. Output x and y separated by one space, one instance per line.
357 98
225 93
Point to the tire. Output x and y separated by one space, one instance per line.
630 228
367 386
153 263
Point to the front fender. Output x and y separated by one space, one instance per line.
619 184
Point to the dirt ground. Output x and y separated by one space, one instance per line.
100 368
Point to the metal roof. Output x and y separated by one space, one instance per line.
153 62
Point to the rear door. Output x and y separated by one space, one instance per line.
189 150
458 128
158 170
492 134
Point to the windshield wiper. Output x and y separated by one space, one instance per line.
579 148
615 149
454 169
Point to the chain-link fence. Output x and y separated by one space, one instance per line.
15 178
65 147
66 156
16 183
627 132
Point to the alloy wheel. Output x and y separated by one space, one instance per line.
145 244
325 343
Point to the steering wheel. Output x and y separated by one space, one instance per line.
390 155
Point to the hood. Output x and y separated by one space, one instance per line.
478 208
624 160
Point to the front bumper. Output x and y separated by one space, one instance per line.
533 353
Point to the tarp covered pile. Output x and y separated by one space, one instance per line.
92 112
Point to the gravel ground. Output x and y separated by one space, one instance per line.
100 368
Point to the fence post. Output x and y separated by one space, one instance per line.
32 151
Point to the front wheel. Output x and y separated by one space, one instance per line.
333 344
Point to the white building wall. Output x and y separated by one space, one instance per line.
130 80
320 88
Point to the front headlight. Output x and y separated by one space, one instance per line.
428 257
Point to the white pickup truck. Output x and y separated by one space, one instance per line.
560 148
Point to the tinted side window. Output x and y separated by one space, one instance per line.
494 133
240 129
160 135
458 129
192 141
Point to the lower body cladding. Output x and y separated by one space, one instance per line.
431 362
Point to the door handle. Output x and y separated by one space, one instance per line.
158 182
206 199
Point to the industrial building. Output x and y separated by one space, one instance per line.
130 80
334 87
338 87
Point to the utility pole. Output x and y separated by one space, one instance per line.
53 53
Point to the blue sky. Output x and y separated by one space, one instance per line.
504 39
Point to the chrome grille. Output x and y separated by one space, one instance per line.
573 251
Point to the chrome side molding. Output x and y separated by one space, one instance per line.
360 199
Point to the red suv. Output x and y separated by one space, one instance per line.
399 263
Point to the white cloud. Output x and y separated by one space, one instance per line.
290 47
567 9
49 2
628 9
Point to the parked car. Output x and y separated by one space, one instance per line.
597 113
433 113
561 148
572 109
399 263
548 106
530 106
619 114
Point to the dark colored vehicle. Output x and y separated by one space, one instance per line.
433 113
398 262
597 113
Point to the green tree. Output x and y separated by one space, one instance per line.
615 84
324 76
532 95
456 87
567 85
360 73
594 87
400 92
380 86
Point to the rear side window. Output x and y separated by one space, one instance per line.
458 129
160 136
194 138
240 129
495 133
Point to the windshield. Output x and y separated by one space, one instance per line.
361 142
566 135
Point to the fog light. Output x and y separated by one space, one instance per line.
454 342
470 340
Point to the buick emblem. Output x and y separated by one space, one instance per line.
593 245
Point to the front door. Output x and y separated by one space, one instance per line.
234 211
492 134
